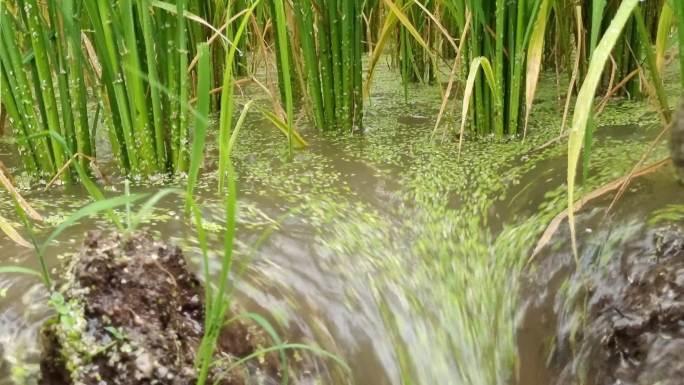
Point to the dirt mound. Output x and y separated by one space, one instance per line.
132 313
634 332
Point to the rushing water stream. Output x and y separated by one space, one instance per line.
388 249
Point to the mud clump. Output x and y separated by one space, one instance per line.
131 313
634 333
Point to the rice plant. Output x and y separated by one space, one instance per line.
415 62
503 32
330 32
43 85
580 134
149 136
122 53
518 39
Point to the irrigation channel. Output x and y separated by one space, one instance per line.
410 263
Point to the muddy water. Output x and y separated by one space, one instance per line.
386 249
616 319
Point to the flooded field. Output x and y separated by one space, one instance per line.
412 261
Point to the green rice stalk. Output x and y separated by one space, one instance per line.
201 118
181 158
665 22
44 83
57 51
597 7
121 130
535 50
169 77
679 12
336 56
357 70
226 112
147 27
325 69
284 65
347 49
304 17
18 100
143 136
499 58
647 48
84 141
218 307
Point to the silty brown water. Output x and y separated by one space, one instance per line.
386 249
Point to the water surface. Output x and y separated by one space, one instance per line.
388 249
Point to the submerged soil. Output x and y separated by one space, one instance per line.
634 330
132 313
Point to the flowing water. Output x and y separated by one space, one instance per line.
388 249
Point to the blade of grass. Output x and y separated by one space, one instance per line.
202 117
238 126
19 270
665 22
282 126
226 112
88 211
145 210
268 328
404 20
289 346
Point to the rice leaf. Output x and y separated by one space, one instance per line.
288 346
88 211
9 230
535 51
7 184
470 83
585 101
665 22
282 126
147 208
201 117
401 16
19 270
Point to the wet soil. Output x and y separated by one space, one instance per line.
132 313
633 333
